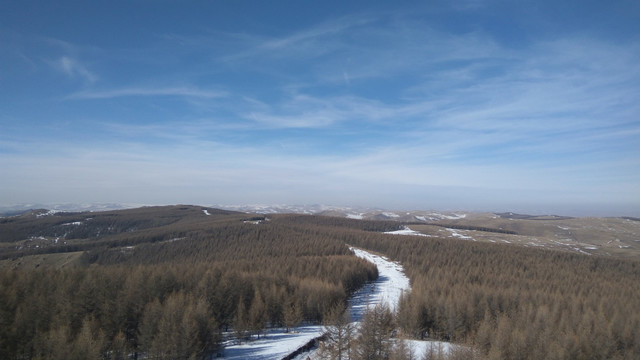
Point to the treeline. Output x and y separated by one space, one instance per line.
174 296
517 303
334 223
470 227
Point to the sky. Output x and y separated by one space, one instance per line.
479 105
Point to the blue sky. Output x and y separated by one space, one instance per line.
529 106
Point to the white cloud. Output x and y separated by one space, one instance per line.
306 111
311 42
181 91
73 68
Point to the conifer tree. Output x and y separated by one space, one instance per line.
401 351
54 344
339 334
374 335
241 322
119 348
149 325
292 314
87 344
257 314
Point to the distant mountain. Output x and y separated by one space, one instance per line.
425 216
603 236
14 210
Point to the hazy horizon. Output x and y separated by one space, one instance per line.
565 210
475 105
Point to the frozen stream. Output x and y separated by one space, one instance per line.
391 283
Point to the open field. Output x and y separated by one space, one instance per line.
598 236
609 236
56 261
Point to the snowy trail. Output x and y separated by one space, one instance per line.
387 288
276 345
391 283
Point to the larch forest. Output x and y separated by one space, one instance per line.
175 282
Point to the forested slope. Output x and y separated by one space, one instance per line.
511 302
168 281
169 289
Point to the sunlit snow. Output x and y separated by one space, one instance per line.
406 231
459 235
449 217
391 283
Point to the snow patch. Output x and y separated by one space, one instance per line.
455 233
50 212
391 283
390 214
420 348
206 212
355 216
581 251
406 231
449 217
275 345
254 222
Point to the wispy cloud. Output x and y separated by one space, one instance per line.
306 111
374 101
324 30
181 91
73 68
312 42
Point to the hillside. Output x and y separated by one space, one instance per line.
184 280
619 237
609 236
93 283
